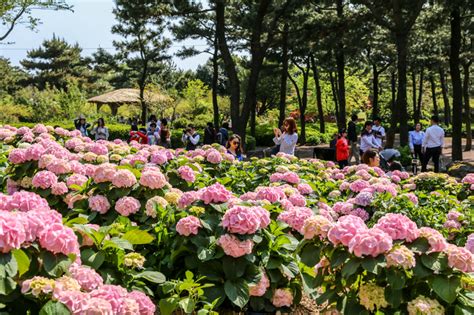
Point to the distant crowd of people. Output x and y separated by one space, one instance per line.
368 148
424 145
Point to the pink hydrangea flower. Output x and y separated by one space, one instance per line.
97 148
59 189
25 201
213 156
187 199
452 225
370 242
295 217
435 239
114 294
261 287
263 215
343 208
124 179
470 243
282 297
454 215
401 256
39 128
361 213
59 167
127 206
297 200
241 220
272 194
359 185
345 229
58 238
232 246
87 277
76 179
76 301
146 306
153 179
188 225
305 189
363 198
250 195
104 173
159 158
398 226
316 225
187 173
460 258
412 197
99 203
44 179
12 231
468 179
215 193
34 152
276 177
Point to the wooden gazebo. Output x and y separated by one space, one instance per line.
117 98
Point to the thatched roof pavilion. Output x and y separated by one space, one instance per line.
117 98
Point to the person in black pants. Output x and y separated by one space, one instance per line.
432 145
352 137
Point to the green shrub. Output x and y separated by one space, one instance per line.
251 143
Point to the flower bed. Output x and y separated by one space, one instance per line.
139 227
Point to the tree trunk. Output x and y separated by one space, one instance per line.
455 45
284 71
229 65
143 104
467 108
334 94
444 91
401 105
340 63
319 102
433 95
393 119
302 98
253 113
215 78
375 101
420 97
413 95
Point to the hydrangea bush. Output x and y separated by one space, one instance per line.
134 224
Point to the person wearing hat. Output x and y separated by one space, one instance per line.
81 125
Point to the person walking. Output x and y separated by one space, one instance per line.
100 131
432 145
210 134
165 134
190 138
367 139
352 138
81 124
342 149
288 139
415 138
223 134
378 131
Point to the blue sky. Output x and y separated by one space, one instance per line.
89 25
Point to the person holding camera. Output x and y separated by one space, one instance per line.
379 131
81 125
190 138
367 139
100 131
288 139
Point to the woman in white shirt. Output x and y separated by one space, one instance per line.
367 139
288 139
100 131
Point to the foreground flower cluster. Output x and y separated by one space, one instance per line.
254 233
